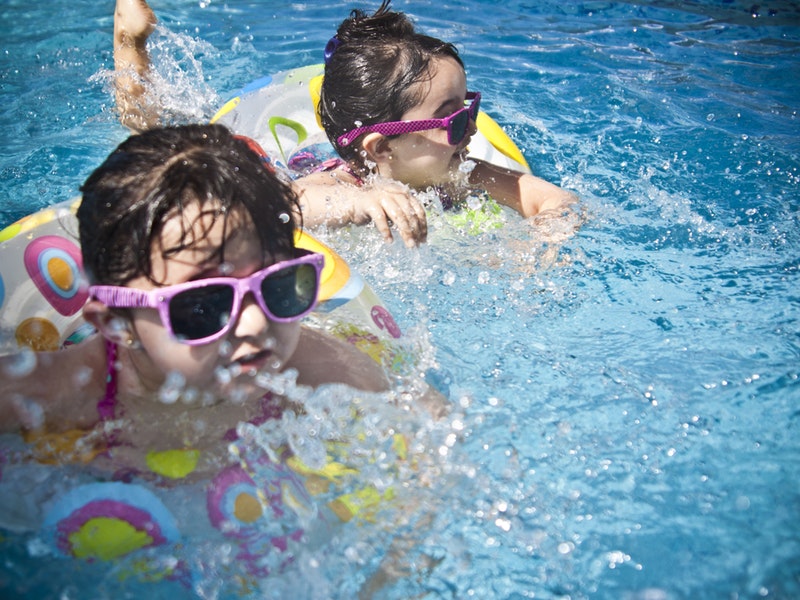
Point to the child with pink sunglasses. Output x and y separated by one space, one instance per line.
393 107
196 292
395 104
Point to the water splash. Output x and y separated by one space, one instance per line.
175 86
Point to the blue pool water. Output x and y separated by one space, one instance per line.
625 382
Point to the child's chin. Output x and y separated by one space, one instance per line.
241 391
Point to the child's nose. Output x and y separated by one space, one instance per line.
252 320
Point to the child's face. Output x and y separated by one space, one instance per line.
253 342
424 158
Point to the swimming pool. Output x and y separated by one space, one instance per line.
626 381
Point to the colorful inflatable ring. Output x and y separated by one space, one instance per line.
42 289
279 112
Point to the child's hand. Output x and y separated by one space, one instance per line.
336 199
392 205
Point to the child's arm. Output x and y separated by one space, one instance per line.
332 198
525 193
56 388
134 21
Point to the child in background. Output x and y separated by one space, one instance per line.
394 103
196 292
393 106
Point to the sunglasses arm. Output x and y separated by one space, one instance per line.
391 128
114 296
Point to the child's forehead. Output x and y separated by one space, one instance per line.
206 231
447 79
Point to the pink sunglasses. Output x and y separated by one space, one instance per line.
199 312
456 124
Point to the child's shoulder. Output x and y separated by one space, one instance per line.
321 358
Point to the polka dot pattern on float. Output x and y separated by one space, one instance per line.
108 520
38 334
54 265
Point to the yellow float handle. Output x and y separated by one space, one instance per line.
335 273
499 139
298 128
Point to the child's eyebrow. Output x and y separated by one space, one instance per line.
448 103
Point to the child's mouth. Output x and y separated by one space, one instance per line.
254 361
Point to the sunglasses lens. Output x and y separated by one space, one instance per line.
290 292
200 313
458 127
474 108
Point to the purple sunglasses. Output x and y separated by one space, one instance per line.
456 124
199 312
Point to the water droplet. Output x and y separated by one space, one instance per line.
171 389
30 413
223 376
467 166
503 524
22 364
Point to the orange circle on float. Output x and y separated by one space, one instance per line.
38 334
247 508
60 272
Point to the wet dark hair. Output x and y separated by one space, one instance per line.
370 76
152 177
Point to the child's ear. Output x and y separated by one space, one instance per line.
377 147
109 324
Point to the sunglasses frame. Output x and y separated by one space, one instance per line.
115 296
401 127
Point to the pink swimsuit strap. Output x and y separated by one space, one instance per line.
106 407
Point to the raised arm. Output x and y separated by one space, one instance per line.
134 21
527 194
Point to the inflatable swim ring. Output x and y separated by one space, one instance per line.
279 112
262 509
42 290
